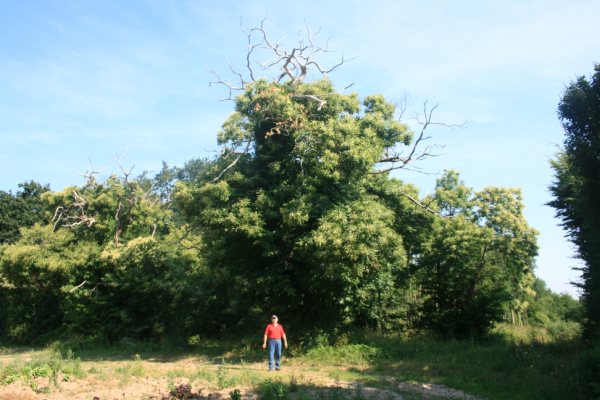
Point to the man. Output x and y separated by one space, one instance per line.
274 333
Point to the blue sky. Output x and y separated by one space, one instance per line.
82 81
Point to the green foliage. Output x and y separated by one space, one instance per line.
477 261
111 264
37 267
291 224
552 332
588 366
53 367
358 255
118 209
298 222
143 286
548 307
294 217
273 390
235 394
20 210
576 186
349 354
494 368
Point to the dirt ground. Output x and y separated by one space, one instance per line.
147 389
153 380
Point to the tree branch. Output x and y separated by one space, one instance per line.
418 203
400 161
78 286
123 170
239 155
311 97
293 64
73 215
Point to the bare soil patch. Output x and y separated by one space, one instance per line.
153 380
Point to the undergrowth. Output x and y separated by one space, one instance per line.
43 372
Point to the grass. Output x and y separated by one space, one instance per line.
516 363
511 365
494 370
130 370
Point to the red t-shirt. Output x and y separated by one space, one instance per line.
274 332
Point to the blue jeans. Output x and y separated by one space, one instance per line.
274 353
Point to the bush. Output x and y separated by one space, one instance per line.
564 331
553 332
273 390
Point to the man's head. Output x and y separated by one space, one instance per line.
274 318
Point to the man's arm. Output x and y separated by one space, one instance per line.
265 341
284 340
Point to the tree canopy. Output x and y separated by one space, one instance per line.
576 186
298 215
20 210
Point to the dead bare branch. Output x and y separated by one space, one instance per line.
418 203
73 215
123 170
231 87
90 175
402 106
293 64
118 212
399 161
78 286
239 155
251 48
311 97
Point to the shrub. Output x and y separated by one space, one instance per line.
273 390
